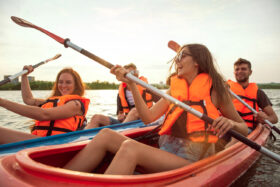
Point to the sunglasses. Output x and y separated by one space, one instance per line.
181 55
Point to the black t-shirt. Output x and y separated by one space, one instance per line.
262 99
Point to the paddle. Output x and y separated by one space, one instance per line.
12 77
176 47
131 77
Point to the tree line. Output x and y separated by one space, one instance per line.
47 85
97 85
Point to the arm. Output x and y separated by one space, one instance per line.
26 91
70 109
230 118
147 115
267 114
155 97
119 105
120 113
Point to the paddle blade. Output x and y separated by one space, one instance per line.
22 22
174 46
25 23
54 58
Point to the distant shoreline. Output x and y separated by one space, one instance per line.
97 85
47 85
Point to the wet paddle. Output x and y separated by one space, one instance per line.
176 47
12 77
130 76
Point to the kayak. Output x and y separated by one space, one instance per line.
42 166
75 136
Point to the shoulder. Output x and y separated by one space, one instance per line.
75 102
262 99
77 105
261 95
261 92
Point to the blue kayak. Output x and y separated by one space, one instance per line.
76 136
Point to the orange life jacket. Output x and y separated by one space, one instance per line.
143 92
197 95
249 95
60 126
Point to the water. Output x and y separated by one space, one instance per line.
265 172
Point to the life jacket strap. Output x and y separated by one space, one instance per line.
247 98
53 129
199 103
245 114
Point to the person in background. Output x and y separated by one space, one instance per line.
184 138
126 110
252 95
64 111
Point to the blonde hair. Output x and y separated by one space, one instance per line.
130 65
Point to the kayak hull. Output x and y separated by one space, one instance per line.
41 166
75 136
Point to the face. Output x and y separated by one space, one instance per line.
185 65
66 84
242 72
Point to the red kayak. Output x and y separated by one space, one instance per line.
41 166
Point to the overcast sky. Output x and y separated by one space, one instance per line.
138 31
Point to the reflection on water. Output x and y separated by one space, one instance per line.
266 172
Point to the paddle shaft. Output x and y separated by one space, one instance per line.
12 77
176 47
101 61
187 108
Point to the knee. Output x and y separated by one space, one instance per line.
96 121
96 117
134 113
102 136
106 132
128 149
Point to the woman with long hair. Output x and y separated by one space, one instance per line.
64 111
184 138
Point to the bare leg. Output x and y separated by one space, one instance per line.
98 120
89 157
132 115
10 136
129 154
132 153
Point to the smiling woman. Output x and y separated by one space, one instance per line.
63 112
184 138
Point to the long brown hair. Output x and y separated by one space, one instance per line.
202 56
79 85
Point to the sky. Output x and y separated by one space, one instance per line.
138 31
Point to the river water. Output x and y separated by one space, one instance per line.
265 172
